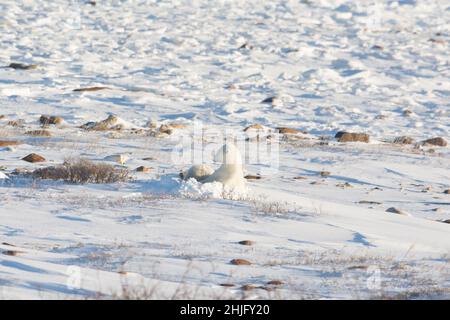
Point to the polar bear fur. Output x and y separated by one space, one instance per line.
198 172
230 173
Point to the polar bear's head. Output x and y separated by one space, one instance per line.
229 155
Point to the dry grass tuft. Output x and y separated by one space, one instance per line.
83 171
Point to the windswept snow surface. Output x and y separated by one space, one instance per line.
317 216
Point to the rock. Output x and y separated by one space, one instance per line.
324 173
143 169
240 262
377 47
369 202
165 129
6 143
300 178
403 140
275 283
247 242
284 130
246 46
274 101
3 176
11 252
46 120
22 66
255 126
248 287
16 123
438 141
33 157
446 221
38 133
231 87
397 211
119 158
343 136
407 112
447 191
90 89
226 285
252 177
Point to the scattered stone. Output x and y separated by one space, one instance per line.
324 173
377 47
149 158
275 283
284 130
15 123
344 185
165 129
300 178
110 123
7 244
33 157
248 287
226 285
255 126
438 141
6 143
252 177
22 66
2 116
407 112
246 46
436 210
247 242
231 87
357 267
38 133
46 120
397 211
92 3
240 262
343 136
11 252
446 221
440 41
90 89
143 169
369 202
404 140
272 100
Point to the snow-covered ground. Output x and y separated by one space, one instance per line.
316 218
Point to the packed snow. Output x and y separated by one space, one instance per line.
157 87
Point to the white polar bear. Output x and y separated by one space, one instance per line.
230 173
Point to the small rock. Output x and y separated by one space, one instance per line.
369 202
407 112
324 173
255 126
165 129
90 89
231 87
248 287
38 133
46 120
252 177
284 130
446 221
11 252
300 178
247 242
33 157
447 191
343 136
15 123
272 100
143 169
438 141
397 211
246 46
275 283
226 285
22 66
403 140
240 262
149 158
377 47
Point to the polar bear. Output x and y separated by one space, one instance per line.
230 173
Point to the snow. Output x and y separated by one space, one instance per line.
317 215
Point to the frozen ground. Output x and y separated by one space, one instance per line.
376 67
